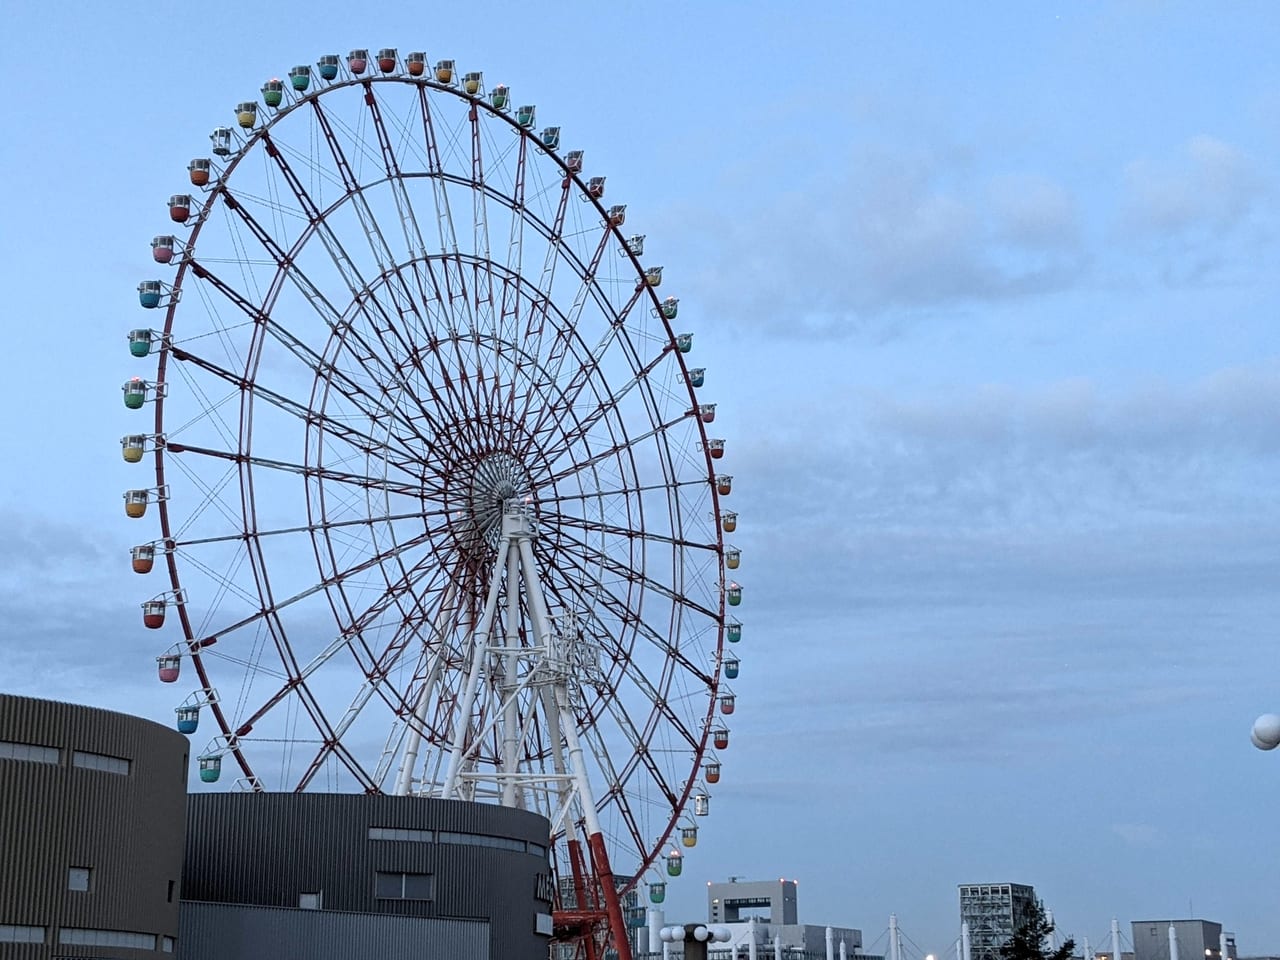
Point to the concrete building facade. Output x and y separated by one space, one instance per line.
321 876
993 911
92 817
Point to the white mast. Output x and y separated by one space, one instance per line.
655 926
548 674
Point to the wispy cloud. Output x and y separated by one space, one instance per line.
1138 834
964 558
1199 216
885 232
1208 184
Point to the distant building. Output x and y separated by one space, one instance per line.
993 912
1197 940
1107 955
771 901
767 912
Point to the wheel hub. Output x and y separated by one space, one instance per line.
476 498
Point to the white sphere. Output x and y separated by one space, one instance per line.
1266 731
701 933
671 934
720 934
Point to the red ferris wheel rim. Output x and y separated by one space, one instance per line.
195 639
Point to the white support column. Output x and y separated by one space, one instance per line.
1115 939
843 954
577 762
656 923
568 729
1088 950
479 653
895 941
1053 937
777 943
510 667
404 778
965 943
751 944
1173 942
564 791
831 944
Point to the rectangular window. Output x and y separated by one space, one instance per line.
78 878
107 938
404 886
12 934
418 886
476 840
310 901
100 761
389 886
10 750
167 944
400 833
172 887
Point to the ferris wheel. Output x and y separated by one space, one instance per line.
439 509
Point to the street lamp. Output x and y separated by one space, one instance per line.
1266 732
695 936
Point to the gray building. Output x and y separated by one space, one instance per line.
770 901
1197 940
766 913
338 876
92 816
993 911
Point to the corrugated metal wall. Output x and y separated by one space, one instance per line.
128 829
215 931
265 849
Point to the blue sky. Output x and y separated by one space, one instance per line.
989 300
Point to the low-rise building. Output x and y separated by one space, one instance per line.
767 913
1196 940
92 817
